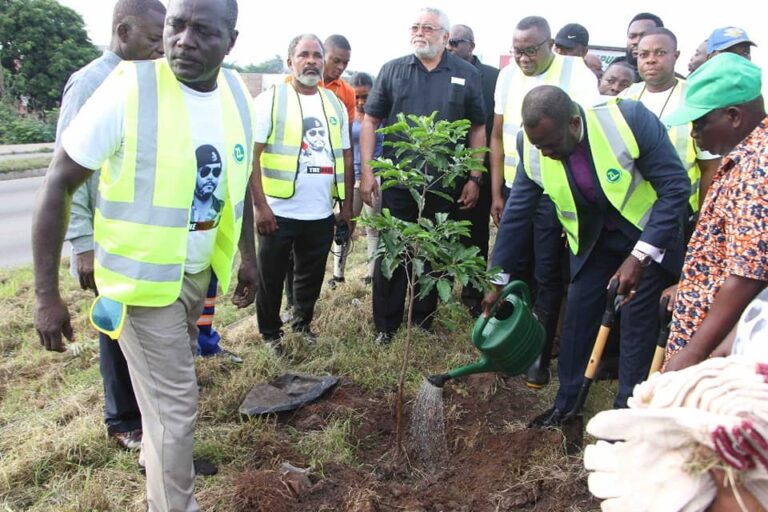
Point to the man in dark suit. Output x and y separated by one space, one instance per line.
461 43
621 194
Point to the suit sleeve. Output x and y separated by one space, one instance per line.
660 165
512 242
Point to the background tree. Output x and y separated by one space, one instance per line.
41 44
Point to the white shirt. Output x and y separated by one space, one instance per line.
312 198
95 136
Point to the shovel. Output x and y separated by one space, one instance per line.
665 317
573 422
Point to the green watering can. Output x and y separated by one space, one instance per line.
509 340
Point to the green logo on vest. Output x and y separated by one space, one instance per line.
613 175
334 121
239 153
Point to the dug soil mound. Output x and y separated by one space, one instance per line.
495 463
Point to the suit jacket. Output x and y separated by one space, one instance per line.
658 163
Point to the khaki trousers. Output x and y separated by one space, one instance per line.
158 344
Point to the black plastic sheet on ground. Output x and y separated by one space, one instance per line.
287 392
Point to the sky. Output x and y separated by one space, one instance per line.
378 30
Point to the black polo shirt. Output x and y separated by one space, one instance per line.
453 89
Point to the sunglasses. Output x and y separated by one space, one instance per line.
208 169
316 132
427 29
456 42
108 316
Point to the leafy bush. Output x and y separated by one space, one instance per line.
26 129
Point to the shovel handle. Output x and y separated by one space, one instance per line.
597 352
661 341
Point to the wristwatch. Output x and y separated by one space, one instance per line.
643 258
477 179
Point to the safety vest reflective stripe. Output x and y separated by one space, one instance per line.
514 89
280 158
139 270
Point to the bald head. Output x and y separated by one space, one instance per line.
134 8
551 121
547 101
461 42
137 29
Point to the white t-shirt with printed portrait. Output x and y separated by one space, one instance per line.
312 199
96 137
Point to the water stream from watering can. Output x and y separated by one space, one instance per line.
427 442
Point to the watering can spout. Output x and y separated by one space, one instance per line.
481 366
509 339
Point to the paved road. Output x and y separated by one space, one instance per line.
17 197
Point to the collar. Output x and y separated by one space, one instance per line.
445 61
111 56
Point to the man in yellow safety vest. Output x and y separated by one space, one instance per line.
158 131
620 194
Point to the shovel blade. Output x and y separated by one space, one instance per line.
573 432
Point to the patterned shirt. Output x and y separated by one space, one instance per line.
731 237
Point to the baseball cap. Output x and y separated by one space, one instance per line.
724 80
571 35
724 38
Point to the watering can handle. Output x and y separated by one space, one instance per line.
513 286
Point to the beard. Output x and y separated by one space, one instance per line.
425 52
308 80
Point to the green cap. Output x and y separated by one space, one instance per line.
724 80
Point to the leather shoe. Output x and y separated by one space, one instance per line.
537 377
552 417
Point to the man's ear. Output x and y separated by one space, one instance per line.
735 116
123 29
232 40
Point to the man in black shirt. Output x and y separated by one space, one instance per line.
429 80
461 43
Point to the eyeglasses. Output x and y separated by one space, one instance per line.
210 168
456 42
531 51
108 316
427 29
316 132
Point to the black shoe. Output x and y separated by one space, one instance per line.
552 417
537 377
274 344
310 338
383 338
202 468
205 468
333 281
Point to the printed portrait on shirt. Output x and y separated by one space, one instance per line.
206 206
316 156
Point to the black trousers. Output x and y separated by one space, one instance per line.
310 241
479 235
389 294
121 412
584 311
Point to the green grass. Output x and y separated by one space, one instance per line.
54 454
24 164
